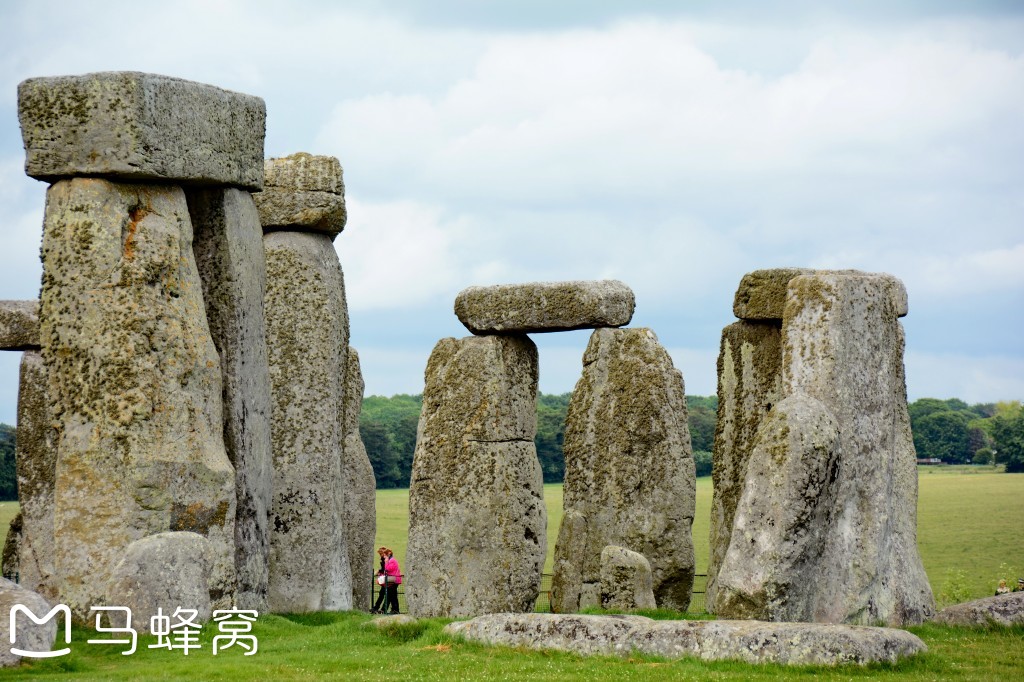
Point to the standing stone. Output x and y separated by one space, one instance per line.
629 471
307 342
36 460
825 529
476 505
749 383
134 385
228 247
19 325
360 489
12 549
141 127
626 582
545 306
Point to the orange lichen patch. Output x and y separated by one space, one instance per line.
134 216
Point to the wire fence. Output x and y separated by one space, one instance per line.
543 605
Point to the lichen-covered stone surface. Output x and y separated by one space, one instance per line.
19 325
626 583
477 519
761 295
722 640
36 460
29 636
1003 609
141 127
360 489
829 528
134 384
307 342
545 306
12 549
749 383
228 247
303 192
164 571
629 471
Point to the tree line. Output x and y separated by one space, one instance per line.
948 430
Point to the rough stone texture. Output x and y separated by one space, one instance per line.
19 325
228 248
625 580
141 127
761 295
360 489
307 341
385 622
36 459
749 383
30 636
12 549
303 192
545 306
164 571
476 507
134 384
835 467
629 472
747 641
1004 609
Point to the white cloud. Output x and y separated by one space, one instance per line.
959 375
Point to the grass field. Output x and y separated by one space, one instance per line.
969 520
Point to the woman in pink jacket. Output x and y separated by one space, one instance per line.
392 577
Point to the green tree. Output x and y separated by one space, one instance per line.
382 455
944 435
8 471
702 462
551 411
1008 438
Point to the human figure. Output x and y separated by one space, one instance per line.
1020 585
1002 589
393 578
381 582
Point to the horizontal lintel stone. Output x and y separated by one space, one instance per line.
761 294
303 192
126 125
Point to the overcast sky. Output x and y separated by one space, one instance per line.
672 149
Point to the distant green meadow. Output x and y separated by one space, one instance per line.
969 533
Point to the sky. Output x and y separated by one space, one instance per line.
673 146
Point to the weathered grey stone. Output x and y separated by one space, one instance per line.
842 364
545 306
19 325
749 383
385 622
625 580
1004 609
307 342
476 507
141 127
761 295
29 636
165 571
36 459
228 247
303 192
360 489
12 549
134 384
747 641
629 472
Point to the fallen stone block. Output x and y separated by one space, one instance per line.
545 306
29 635
136 126
19 325
1003 609
625 580
746 641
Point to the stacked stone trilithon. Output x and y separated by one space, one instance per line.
477 518
814 514
302 209
151 332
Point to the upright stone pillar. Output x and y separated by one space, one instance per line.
825 527
629 471
302 210
134 379
229 253
476 504
361 489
